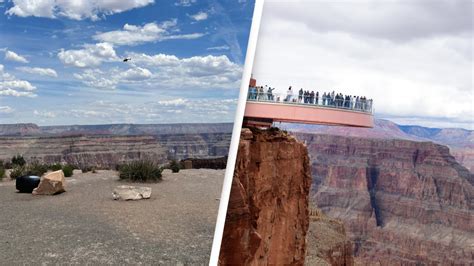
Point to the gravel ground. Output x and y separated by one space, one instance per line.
86 226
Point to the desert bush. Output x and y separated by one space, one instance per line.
17 171
174 166
68 170
86 169
2 172
7 165
36 168
140 171
55 167
18 160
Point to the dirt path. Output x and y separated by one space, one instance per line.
85 226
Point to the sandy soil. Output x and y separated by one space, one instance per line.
86 226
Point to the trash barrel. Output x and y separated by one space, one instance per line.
26 184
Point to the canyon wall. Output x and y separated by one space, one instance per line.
402 202
106 151
103 152
268 216
105 146
327 241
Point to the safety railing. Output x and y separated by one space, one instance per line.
354 103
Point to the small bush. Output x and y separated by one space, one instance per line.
86 169
55 167
17 171
18 160
7 165
174 166
2 172
68 170
140 171
36 168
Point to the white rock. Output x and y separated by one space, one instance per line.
131 193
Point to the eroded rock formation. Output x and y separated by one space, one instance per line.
268 217
92 151
327 241
402 202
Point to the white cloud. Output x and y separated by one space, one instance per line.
168 71
39 71
199 71
77 9
408 72
174 102
219 48
150 32
199 16
12 56
44 114
99 79
185 3
90 56
137 73
6 110
11 86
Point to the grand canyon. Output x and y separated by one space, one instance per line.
403 197
390 195
105 146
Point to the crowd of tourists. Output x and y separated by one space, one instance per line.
261 93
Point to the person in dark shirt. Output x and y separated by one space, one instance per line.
270 94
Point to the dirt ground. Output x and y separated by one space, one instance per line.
86 226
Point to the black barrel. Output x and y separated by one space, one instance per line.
26 184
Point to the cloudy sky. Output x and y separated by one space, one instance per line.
61 61
413 57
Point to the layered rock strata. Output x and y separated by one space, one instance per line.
327 241
268 218
402 202
103 152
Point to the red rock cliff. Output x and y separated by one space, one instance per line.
268 217
403 202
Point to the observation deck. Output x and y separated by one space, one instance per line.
262 109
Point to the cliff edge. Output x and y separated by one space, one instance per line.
268 214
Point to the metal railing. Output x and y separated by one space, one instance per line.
361 105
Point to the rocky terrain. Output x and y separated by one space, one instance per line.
113 129
327 241
268 214
401 201
105 146
86 226
460 141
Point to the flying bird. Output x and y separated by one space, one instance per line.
127 59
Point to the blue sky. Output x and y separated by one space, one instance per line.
61 61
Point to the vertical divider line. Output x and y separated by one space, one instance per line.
234 144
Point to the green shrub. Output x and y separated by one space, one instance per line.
17 171
140 171
2 172
36 168
18 160
174 166
68 170
55 167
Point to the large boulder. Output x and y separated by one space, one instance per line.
51 184
131 193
